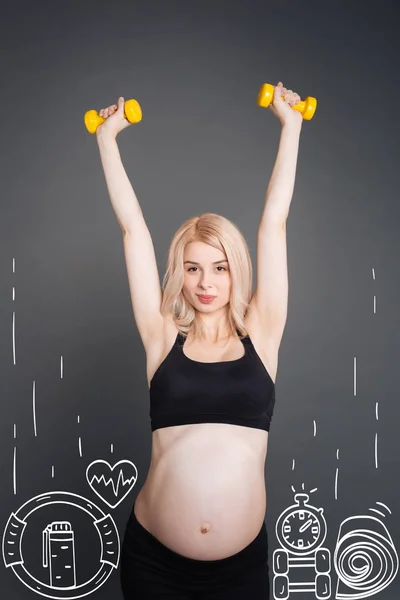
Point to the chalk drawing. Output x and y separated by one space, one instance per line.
301 530
111 484
365 557
58 576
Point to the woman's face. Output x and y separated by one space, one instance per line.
206 272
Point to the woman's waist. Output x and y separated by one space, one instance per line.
205 477
200 465
209 439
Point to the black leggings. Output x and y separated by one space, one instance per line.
151 570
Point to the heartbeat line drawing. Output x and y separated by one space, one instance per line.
111 483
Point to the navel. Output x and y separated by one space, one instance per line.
205 528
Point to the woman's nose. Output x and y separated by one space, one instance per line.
205 281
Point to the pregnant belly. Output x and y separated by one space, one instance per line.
205 501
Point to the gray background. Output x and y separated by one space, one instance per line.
203 145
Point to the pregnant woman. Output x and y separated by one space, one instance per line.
197 528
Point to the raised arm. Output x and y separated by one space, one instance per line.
144 283
270 300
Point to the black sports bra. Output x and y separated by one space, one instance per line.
184 391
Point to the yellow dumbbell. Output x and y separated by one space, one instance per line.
307 107
132 112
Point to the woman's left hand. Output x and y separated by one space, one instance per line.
282 107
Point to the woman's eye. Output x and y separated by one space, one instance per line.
223 268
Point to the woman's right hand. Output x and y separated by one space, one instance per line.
115 120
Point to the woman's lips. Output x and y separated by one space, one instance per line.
206 299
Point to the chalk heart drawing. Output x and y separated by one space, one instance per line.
111 483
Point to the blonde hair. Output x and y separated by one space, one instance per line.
221 233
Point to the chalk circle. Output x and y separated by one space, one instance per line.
106 529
